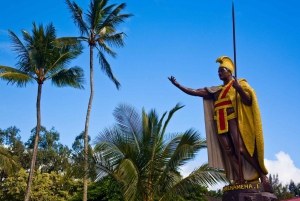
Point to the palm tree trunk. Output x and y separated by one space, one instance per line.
86 129
36 142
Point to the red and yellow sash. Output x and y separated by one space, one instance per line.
221 105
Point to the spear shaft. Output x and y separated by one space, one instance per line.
234 46
236 94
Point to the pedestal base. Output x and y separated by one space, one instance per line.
249 192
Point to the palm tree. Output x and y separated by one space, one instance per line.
42 57
9 164
99 31
136 152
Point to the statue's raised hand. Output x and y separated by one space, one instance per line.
173 80
236 84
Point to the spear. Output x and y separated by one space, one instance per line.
236 95
234 46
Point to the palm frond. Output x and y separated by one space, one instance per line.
110 158
114 18
112 145
129 122
189 144
42 47
104 12
25 60
155 147
105 67
154 141
103 47
15 76
62 41
8 163
97 12
150 126
160 124
114 40
204 176
76 13
69 77
63 55
18 46
128 174
164 189
28 38
105 30
110 134
50 33
179 150
178 106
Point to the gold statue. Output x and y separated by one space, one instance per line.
233 125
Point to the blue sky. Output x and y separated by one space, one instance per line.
164 38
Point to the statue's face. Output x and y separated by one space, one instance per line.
224 73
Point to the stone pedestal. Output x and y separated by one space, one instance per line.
249 192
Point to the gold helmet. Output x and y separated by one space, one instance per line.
226 62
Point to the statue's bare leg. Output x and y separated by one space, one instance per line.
236 136
228 147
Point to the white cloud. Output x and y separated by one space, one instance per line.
284 167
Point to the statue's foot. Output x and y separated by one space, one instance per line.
238 182
264 179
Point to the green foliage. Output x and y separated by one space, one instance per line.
281 191
49 184
294 188
13 188
138 154
11 152
77 159
52 155
217 194
45 186
107 189
195 193
8 163
11 138
78 145
52 180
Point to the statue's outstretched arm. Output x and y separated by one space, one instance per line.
193 92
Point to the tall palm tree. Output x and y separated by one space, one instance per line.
137 153
42 57
98 29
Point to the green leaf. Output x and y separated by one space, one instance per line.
14 76
69 77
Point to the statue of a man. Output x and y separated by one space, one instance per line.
233 125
